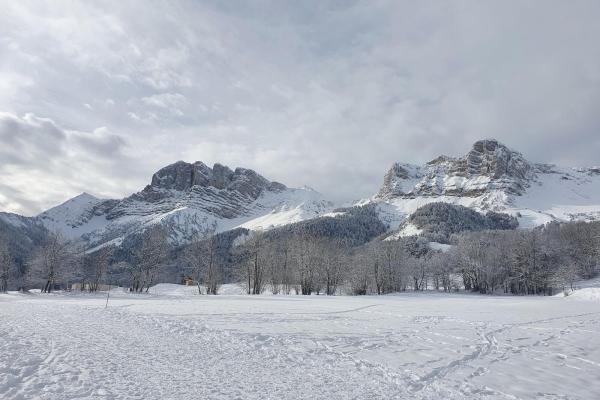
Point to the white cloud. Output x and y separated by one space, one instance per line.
172 103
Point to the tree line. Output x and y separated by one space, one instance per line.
538 261
308 259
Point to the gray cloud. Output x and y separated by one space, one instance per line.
321 93
42 163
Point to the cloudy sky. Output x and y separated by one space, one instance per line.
96 96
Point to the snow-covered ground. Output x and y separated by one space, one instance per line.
173 344
584 290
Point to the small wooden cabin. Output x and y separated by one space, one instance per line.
188 281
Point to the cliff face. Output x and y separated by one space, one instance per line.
183 176
220 191
489 165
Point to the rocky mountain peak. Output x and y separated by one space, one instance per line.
491 158
397 181
489 165
182 176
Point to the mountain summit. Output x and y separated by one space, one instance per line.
189 197
491 177
489 165
186 198
183 176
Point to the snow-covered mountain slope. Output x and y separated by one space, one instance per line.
491 177
75 217
187 198
23 234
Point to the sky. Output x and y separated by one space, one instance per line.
97 96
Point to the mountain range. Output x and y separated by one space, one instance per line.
187 198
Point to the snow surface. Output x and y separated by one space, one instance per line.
440 246
584 290
563 195
406 229
173 344
592 293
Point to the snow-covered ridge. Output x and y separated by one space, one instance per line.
186 198
491 177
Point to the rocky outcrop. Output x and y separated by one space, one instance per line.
494 160
182 176
219 190
399 180
489 165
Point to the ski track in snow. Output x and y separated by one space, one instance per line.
272 347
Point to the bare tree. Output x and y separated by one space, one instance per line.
202 255
256 264
148 258
307 258
53 261
212 273
253 255
278 266
331 265
359 275
6 264
95 266
581 244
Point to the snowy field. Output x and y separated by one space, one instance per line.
176 345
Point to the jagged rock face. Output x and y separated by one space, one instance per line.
183 176
397 181
220 191
493 159
247 182
489 165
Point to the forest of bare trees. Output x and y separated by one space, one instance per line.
309 260
538 261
